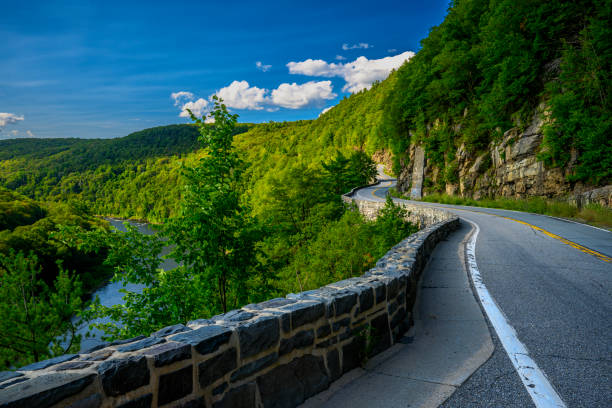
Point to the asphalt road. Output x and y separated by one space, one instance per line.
552 279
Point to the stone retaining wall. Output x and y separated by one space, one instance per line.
276 353
417 214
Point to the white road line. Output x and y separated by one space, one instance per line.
537 385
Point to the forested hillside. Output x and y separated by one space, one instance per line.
489 66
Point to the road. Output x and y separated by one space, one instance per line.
550 281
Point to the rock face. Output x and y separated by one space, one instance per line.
509 168
276 353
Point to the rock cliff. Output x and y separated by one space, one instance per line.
509 168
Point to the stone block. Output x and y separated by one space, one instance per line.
122 375
290 384
324 331
244 396
344 302
141 344
169 353
381 335
302 339
194 403
333 364
219 389
253 367
341 324
126 341
327 343
48 363
258 336
353 354
91 401
73 365
175 385
206 339
98 356
7 375
304 312
167 331
212 369
139 402
45 390
366 298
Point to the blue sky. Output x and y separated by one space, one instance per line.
106 68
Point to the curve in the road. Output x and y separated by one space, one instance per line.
558 300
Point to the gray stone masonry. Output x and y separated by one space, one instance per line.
276 353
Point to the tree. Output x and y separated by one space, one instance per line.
214 235
34 316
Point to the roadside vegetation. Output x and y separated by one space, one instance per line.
593 214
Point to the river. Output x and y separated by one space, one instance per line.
109 294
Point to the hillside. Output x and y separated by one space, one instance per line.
505 98
508 98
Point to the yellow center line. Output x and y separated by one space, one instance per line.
579 247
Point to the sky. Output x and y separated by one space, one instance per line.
100 69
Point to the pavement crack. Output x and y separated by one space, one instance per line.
413 379
598 360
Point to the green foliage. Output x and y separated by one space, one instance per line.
214 234
345 248
34 225
33 315
580 102
487 67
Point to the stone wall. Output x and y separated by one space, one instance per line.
417 214
276 353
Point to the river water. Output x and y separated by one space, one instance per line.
109 294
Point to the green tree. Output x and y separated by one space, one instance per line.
36 321
214 235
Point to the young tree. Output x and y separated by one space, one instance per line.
34 316
214 235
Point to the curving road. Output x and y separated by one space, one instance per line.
550 281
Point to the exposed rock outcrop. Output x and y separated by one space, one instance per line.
509 168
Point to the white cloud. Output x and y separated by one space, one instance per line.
198 108
294 96
9 119
239 95
29 132
358 74
325 110
346 47
340 58
391 50
182 97
262 67
14 132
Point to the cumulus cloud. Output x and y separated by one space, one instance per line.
346 47
181 97
29 132
9 119
325 110
198 108
294 96
262 67
239 95
391 50
340 58
14 132
358 74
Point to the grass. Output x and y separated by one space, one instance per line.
593 214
